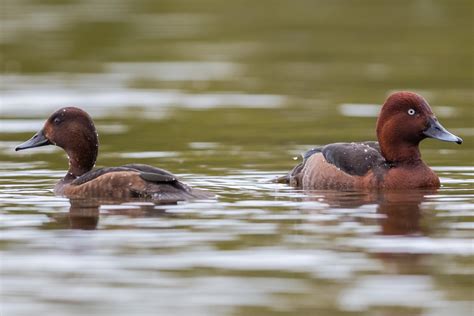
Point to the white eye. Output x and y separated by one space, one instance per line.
411 112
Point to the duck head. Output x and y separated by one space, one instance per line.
73 130
404 121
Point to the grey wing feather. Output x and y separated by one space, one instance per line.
91 175
148 169
354 158
162 185
157 178
174 189
147 173
311 152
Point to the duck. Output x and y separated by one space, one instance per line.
392 162
73 130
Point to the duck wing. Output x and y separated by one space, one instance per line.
93 174
147 173
158 183
352 158
170 188
160 174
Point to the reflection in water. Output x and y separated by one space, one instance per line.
172 75
400 209
399 214
261 245
402 212
84 214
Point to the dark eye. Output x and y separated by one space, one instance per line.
411 112
56 120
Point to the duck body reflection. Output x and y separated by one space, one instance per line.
84 214
400 210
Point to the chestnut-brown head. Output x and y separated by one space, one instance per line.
73 130
404 121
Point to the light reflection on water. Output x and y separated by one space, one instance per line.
224 94
43 101
261 241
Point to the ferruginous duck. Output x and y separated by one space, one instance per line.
394 162
73 130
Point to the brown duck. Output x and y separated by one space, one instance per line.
73 130
394 162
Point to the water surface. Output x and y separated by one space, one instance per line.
225 95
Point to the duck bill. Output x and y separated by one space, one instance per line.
437 131
37 140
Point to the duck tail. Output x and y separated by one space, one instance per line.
292 177
282 179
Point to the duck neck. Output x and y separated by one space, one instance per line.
82 158
400 152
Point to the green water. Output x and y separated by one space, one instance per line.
224 94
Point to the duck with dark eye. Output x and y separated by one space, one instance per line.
394 162
73 130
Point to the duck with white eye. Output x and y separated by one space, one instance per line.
392 162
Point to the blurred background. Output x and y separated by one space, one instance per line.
225 94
